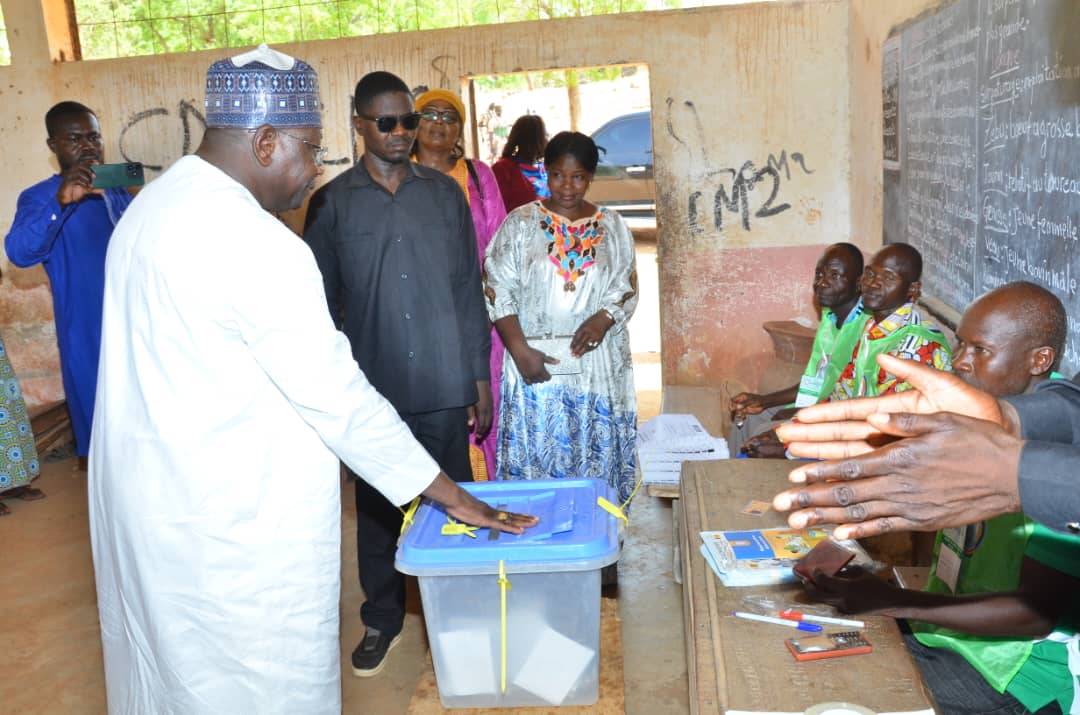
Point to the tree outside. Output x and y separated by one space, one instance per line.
577 99
5 50
125 28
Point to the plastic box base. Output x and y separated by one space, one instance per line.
553 634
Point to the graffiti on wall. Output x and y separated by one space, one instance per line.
740 194
192 124
749 192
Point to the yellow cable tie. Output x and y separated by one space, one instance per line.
504 586
612 509
453 528
408 515
633 492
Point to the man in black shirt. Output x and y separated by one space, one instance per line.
395 244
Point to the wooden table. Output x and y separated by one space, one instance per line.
739 666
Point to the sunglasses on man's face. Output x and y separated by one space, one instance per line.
409 122
447 116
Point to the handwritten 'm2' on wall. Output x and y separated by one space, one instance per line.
744 195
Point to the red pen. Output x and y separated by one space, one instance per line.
793 615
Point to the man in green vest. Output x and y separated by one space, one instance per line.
995 629
836 290
890 286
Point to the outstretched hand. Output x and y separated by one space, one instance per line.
474 512
466 508
838 430
948 470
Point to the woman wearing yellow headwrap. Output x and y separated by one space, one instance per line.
439 145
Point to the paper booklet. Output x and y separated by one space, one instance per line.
758 557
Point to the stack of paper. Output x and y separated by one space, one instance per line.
666 441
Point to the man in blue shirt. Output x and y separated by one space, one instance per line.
65 224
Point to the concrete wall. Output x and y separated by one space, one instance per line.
754 147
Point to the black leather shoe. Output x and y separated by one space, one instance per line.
370 656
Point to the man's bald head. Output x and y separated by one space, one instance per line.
1010 338
892 278
848 252
907 257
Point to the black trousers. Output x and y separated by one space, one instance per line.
445 435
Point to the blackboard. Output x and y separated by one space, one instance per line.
981 102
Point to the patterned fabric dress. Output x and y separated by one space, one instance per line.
554 274
18 455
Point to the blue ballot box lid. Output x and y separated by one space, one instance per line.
574 534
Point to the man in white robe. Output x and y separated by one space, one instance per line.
224 394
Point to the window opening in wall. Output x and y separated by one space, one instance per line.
612 105
125 28
5 49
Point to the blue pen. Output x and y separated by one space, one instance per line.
800 625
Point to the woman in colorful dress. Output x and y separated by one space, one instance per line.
439 145
560 275
18 455
520 171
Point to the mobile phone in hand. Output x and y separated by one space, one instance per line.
827 557
111 176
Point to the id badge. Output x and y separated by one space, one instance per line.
809 389
949 558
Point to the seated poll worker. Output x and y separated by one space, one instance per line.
992 632
836 291
890 285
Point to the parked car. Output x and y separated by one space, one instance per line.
624 176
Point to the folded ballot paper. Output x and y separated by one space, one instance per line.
475 674
553 666
668 440
760 557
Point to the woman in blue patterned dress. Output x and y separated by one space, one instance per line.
18 456
561 286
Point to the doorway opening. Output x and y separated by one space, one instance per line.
612 104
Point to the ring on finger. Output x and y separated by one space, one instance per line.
503 516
